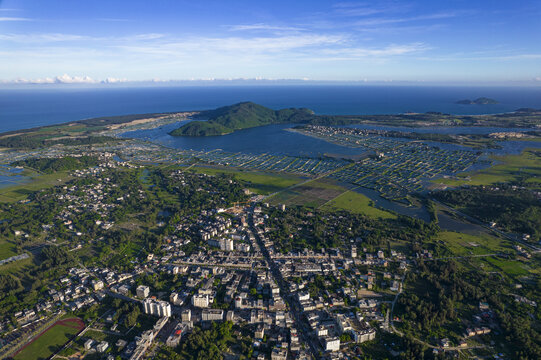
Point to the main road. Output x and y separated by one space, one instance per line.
302 326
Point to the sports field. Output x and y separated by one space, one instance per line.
50 340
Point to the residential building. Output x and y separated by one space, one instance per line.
142 291
200 300
157 307
331 343
212 315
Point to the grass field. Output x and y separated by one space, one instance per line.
258 182
18 268
356 203
49 342
466 244
7 249
509 168
311 194
510 267
38 182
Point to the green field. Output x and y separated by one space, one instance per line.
311 194
508 168
357 203
37 182
7 249
258 182
467 244
48 343
18 268
509 267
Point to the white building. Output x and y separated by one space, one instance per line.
102 346
279 353
331 343
142 291
303 296
227 244
364 335
97 285
175 299
212 315
88 344
157 307
200 300
186 315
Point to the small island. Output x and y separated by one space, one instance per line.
478 101
244 115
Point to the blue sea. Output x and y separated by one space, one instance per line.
26 107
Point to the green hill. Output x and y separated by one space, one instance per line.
243 115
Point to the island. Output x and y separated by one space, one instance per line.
478 101
244 115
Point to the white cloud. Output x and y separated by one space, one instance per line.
8 18
233 45
52 37
61 37
111 80
62 79
354 9
384 21
387 51
251 27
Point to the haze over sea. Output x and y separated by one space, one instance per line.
26 107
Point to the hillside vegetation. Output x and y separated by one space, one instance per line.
50 166
243 115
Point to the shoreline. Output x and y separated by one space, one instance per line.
151 117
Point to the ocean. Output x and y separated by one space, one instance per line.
27 107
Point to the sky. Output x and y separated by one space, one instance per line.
417 41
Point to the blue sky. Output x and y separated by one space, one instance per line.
441 41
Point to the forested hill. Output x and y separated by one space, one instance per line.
243 115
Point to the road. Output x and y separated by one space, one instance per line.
302 327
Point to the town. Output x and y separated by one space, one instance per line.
207 259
